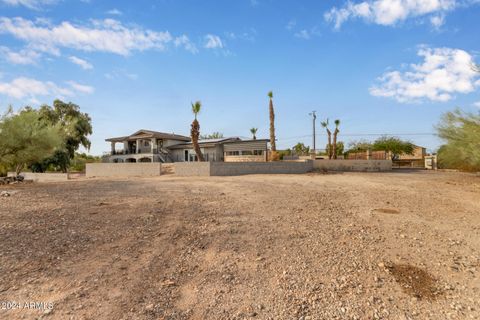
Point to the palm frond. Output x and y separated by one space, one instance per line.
270 94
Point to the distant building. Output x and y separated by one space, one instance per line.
419 153
154 146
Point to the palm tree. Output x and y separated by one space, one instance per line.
254 133
195 131
329 134
272 123
335 133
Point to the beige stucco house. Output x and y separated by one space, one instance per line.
154 146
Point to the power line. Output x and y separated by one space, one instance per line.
363 135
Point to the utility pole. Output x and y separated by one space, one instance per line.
314 116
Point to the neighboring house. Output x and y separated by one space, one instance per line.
144 146
419 153
154 146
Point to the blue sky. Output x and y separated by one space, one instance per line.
381 66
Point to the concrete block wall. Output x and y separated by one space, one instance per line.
123 169
42 177
241 168
353 165
192 168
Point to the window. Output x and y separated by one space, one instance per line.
146 144
258 152
233 153
247 153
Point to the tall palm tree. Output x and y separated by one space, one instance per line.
329 134
335 133
254 133
272 123
195 131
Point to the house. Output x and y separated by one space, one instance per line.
154 146
419 153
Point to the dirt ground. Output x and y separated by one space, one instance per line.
400 245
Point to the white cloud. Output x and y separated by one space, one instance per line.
477 104
213 42
100 35
114 12
303 34
28 88
387 12
307 34
23 56
81 87
437 21
31 4
442 73
184 41
85 65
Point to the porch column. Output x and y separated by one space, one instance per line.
113 147
153 143
137 145
125 147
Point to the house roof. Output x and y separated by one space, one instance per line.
213 142
205 143
146 134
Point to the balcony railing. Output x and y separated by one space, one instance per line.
126 152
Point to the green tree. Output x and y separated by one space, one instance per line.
301 149
80 160
75 129
214 135
25 138
359 146
461 133
393 145
195 130
253 131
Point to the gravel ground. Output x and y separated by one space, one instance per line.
400 245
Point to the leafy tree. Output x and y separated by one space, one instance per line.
253 131
301 149
195 131
328 150
25 138
461 132
359 146
272 123
214 135
335 134
75 129
393 145
81 159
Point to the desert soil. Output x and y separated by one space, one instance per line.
319 246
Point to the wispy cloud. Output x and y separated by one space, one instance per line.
291 24
84 64
213 42
307 34
443 72
388 12
28 88
99 35
31 4
114 12
184 41
477 104
81 87
21 57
